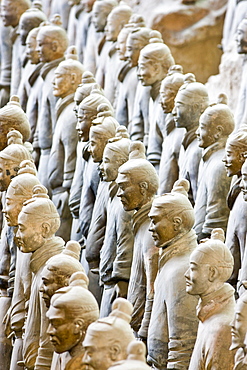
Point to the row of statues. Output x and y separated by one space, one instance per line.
123 191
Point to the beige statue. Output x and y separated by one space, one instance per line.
52 41
239 331
138 184
211 265
211 211
138 37
103 128
169 170
136 359
154 61
19 191
107 339
190 102
58 270
73 308
13 117
11 11
62 159
173 324
38 222
235 151
117 249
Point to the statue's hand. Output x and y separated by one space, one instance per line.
120 290
61 202
4 95
36 156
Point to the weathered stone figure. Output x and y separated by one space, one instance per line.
211 211
62 159
52 41
117 249
107 339
19 191
235 151
75 308
211 265
190 102
173 324
169 170
138 184
136 359
38 222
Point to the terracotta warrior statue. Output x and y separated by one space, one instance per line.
154 61
239 331
10 159
96 37
29 20
58 270
84 89
173 324
52 41
137 38
117 249
13 117
62 159
38 222
190 102
73 308
138 184
103 128
235 151
169 170
211 265
107 339
118 17
11 11
136 359
19 191
211 211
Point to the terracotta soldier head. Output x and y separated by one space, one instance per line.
87 84
101 10
211 265
215 124
68 74
11 11
154 61
73 308
38 221
137 39
171 215
31 45
239 324
107 339
115 154
118 17
30 19
136 359
137 179
103 128
170 86
58 270
52 42
88 110
191 101
235 152
88 5
13 117
241 37
11 157
20 190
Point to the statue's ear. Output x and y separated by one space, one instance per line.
115 351
213 273
177 222
46 228
218 132
54 45
73 78
79 325
143 187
